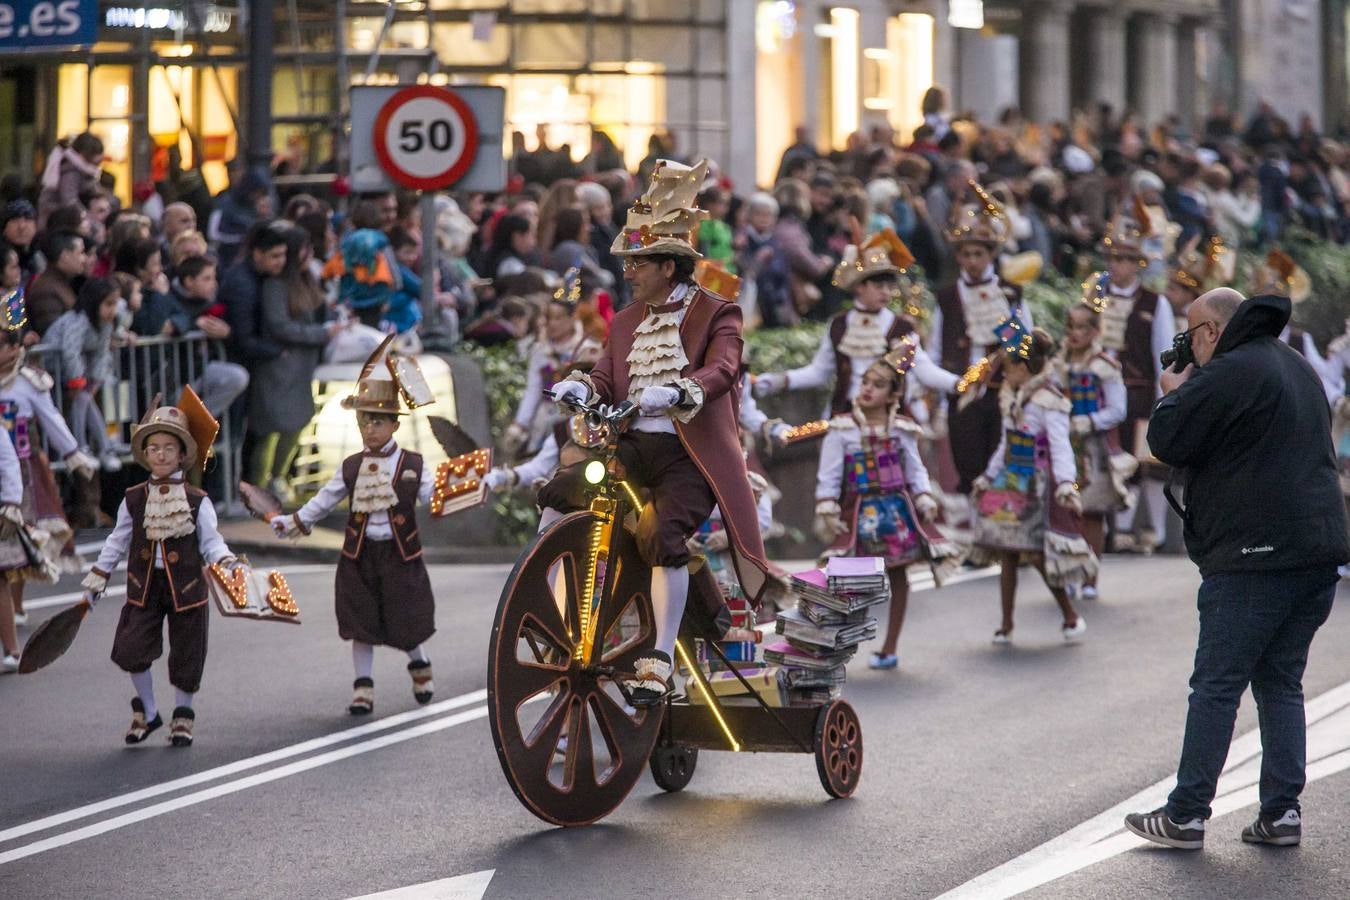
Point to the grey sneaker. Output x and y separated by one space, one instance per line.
1286 831
1157 827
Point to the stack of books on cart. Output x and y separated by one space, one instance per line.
832 617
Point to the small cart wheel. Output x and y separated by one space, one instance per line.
673 766
839 749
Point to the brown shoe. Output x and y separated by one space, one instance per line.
422 686
363 698
140 729
180 729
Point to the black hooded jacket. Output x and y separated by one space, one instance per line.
1250 437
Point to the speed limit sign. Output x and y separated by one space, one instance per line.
425 137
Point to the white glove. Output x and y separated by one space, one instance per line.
716 542
81 463
570 390
94 585
927 507
768 384
979 486
11 520
1066 495
500 479
1081 424
286 526
657 399
515 438
828 524
778 433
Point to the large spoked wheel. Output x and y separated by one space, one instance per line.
570 745
839 749
673 766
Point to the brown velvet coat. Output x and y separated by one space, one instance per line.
711 334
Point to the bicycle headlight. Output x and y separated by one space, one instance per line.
594 473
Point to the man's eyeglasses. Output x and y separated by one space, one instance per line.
1190 331
632 265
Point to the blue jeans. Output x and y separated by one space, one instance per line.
1255 628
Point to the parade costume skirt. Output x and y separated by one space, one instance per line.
1103 480
140 635
381 599
1017 514
42 510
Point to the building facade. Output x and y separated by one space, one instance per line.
731 79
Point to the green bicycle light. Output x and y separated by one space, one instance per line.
594 473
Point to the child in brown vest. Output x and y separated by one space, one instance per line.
166 530
383 593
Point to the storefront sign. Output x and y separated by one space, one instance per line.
26 24
215 19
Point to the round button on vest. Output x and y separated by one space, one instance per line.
373 467
163 488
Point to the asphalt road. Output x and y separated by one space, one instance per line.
976 757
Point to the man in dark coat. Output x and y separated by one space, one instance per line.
241 294
1249 432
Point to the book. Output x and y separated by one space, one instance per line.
823 615
856 574
795 626
790 677
787 653
764 680
813 587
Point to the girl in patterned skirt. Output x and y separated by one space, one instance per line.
872 490
1027 504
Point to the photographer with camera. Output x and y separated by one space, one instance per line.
1246 426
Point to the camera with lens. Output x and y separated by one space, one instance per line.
1179 356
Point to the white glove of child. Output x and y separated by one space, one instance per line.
81 463
979 486
657 399
1066 495
515 438
1081 425
11 520
286 526
778 433
927 507
94 585
768 384
828 524
500 479
570 390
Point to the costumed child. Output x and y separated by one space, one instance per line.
564 342
14 558
29 415
1027 504
1137 326
961 326
873 496
382 593
858 337
1096 392
166 530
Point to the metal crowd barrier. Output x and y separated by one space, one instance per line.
153 365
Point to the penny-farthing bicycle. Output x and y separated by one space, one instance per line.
573 617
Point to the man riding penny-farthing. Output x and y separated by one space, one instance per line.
580 668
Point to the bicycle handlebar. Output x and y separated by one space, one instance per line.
604 412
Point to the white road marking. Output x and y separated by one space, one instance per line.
243 765
461 887
1104 835
230 787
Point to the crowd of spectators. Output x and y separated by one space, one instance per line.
285 280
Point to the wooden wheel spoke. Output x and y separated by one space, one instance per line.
528 681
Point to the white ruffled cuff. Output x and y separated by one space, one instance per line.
693 392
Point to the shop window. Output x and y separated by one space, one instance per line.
454 41
668 47
110 109
551 45
72 92
909 41
698 10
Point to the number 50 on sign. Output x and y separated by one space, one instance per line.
425 137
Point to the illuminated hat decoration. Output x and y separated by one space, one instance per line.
1013 337
568 293
16 314
664 220
380 387
882 254
985 222
1094 293
898 360
1279 274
